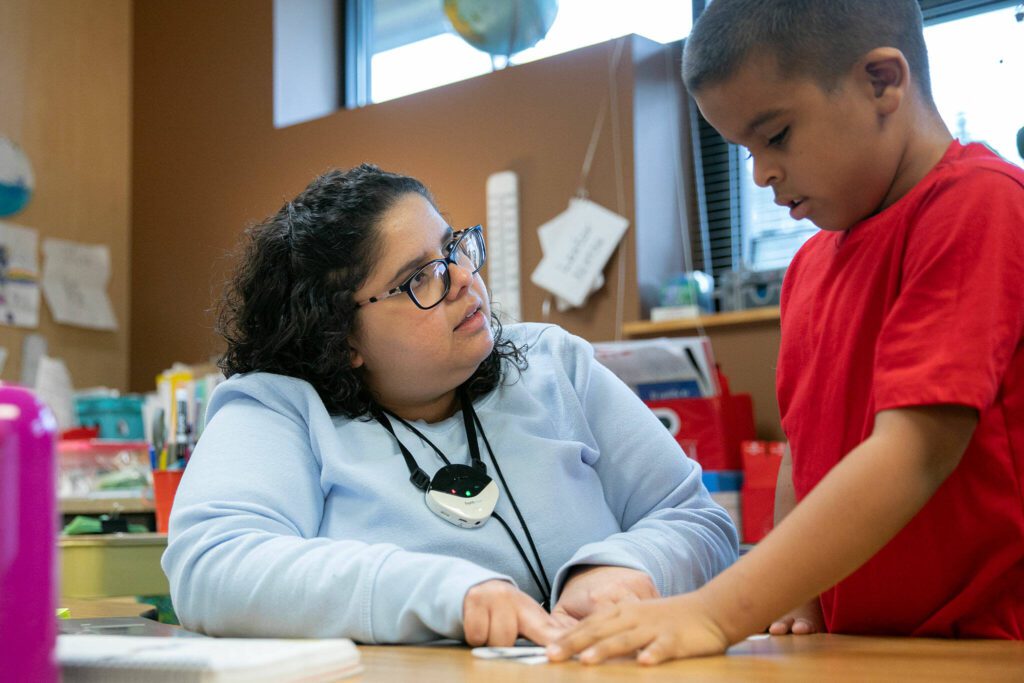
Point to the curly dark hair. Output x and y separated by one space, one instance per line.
289 309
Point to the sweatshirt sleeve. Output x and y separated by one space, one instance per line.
244 559
671 528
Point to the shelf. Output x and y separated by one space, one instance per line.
751 316
99 506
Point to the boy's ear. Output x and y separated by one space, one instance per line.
885 75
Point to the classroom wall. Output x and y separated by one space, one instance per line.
65 98
207 161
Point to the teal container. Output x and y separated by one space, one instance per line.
117 418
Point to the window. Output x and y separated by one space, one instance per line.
413 48
977 65
306 83
976 55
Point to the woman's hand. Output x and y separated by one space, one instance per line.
681 626
802 621
591 588
495 613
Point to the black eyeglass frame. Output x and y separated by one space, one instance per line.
449 259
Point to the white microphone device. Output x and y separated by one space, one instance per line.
462 495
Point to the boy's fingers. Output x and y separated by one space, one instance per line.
802 627
616 645
537 625
563 620
781 627
655 653
589 631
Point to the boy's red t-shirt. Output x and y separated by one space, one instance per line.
921 304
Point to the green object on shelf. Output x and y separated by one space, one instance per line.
121 479
81 524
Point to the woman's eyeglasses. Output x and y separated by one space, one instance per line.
430 283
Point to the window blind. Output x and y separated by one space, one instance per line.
936 11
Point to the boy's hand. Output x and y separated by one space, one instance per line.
802 621
596 587
680 626
495 613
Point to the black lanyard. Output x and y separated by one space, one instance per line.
417 476
421 479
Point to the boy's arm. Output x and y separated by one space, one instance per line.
806 618
785 495
846 519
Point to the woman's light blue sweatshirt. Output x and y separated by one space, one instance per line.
292 523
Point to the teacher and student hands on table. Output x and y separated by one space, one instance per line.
496 614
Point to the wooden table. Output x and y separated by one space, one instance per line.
788 658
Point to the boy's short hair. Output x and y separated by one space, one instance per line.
821 39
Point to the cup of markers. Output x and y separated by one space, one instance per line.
168 461
165 485
166 478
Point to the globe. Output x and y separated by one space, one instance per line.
501 28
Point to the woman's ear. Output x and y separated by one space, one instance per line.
355 358
885 75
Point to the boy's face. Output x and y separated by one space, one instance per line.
828 156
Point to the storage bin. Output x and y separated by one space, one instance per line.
97 469
117 418
102 565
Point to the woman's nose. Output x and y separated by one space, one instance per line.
461 277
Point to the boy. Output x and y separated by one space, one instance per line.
901 369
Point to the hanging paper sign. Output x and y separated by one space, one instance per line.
577 244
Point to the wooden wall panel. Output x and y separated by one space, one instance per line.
65 98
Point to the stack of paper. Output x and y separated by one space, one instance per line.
665 368
112 659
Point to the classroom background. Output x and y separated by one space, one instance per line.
158 130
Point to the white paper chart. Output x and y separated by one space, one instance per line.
502 234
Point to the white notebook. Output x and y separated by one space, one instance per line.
215 660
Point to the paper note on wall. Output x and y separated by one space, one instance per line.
75 278
581 241
548 238
19 275
53 386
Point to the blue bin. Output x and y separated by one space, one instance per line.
117 418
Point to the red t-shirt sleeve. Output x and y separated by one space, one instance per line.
959 314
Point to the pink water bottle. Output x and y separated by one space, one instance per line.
28 538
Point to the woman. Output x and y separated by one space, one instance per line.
363 358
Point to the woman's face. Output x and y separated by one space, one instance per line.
414 359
